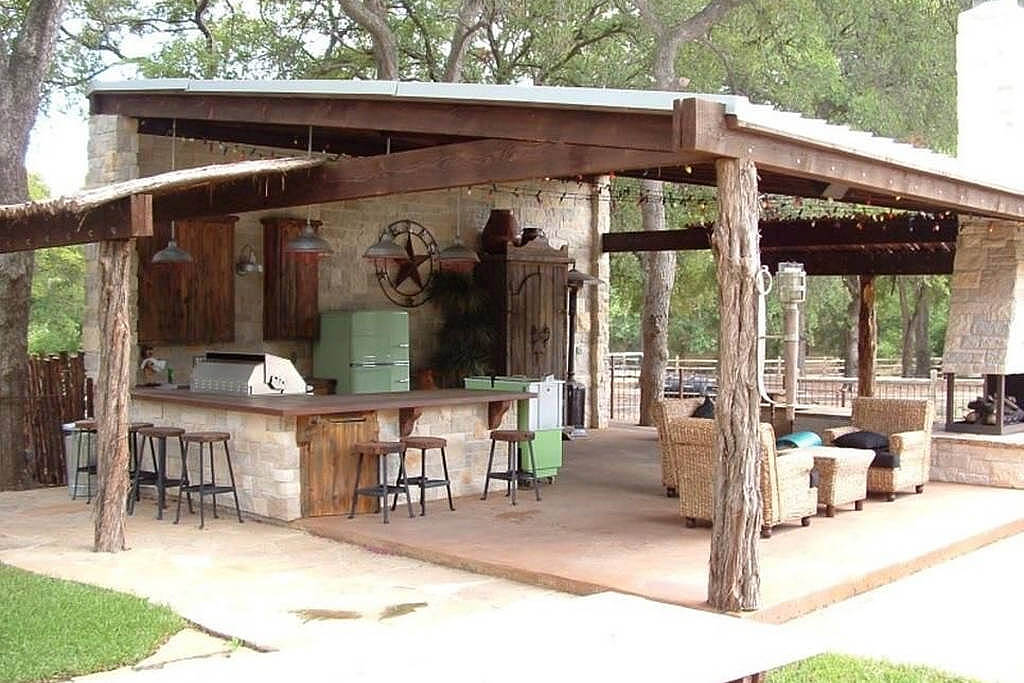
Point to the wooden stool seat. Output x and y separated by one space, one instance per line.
160 432
511 435
136 426
206 437
378 447
87 425
425 442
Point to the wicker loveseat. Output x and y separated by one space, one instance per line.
786 492
908 424
663 410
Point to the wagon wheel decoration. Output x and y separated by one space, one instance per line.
406 281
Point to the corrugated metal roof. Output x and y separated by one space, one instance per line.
755 117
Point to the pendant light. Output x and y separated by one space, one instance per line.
307 241
458 255
172 253
385 248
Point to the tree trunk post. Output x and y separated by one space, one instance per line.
659 280
867 337
115 258
735 582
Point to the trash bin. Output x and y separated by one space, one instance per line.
71 437
798 440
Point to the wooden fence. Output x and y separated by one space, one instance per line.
59 392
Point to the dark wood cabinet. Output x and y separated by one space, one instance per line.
528 287
188 303
291 282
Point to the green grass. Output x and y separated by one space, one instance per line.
843 668
54 629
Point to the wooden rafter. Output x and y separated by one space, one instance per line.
431 168
703 126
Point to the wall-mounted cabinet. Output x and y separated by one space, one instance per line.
291 282
188 303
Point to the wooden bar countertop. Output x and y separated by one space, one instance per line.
294 405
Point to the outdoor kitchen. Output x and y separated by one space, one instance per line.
295 332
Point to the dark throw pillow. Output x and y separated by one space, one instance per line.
886 459
869 440
705 409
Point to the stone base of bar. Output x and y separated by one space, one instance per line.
978 459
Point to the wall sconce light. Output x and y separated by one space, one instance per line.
247 262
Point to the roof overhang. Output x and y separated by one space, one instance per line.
661 135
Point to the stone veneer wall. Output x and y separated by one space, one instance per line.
978 459
116 152
985 333
265 455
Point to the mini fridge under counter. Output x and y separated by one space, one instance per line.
541 415
365 351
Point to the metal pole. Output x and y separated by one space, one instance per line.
791 350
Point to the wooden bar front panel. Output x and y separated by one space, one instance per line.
328 465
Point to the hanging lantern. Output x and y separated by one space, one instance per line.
308 242
172 253
385 249
458 257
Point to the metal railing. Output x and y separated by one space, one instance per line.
822 386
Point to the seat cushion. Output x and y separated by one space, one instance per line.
705 409
872 441
886 459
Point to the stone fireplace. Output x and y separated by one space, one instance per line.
997 411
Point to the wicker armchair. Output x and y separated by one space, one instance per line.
908 424
786 493
665 409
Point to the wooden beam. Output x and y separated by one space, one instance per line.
865 262
635 130
432 168
703 126
867 337
895 231
734 581
120 219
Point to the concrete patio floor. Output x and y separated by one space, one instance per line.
607 525
257 582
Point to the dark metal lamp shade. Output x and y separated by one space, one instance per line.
458 253
384 249
308 242
172 253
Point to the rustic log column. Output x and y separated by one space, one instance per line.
867 337
735 582
112 394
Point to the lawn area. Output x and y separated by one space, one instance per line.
54 629
830 667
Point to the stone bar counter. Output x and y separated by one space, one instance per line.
292 454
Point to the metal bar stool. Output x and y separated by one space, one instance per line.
134 458
381 490
85 432
513 475
211 487
424 443
158 478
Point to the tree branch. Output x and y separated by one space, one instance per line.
468 21
372 16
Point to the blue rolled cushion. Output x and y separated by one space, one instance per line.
872 441
705 409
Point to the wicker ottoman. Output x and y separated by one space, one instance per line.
843 476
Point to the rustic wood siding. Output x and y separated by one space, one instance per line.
290 284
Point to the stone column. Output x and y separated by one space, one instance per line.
598 298
113 157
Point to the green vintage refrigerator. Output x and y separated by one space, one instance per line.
541 415
365 351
